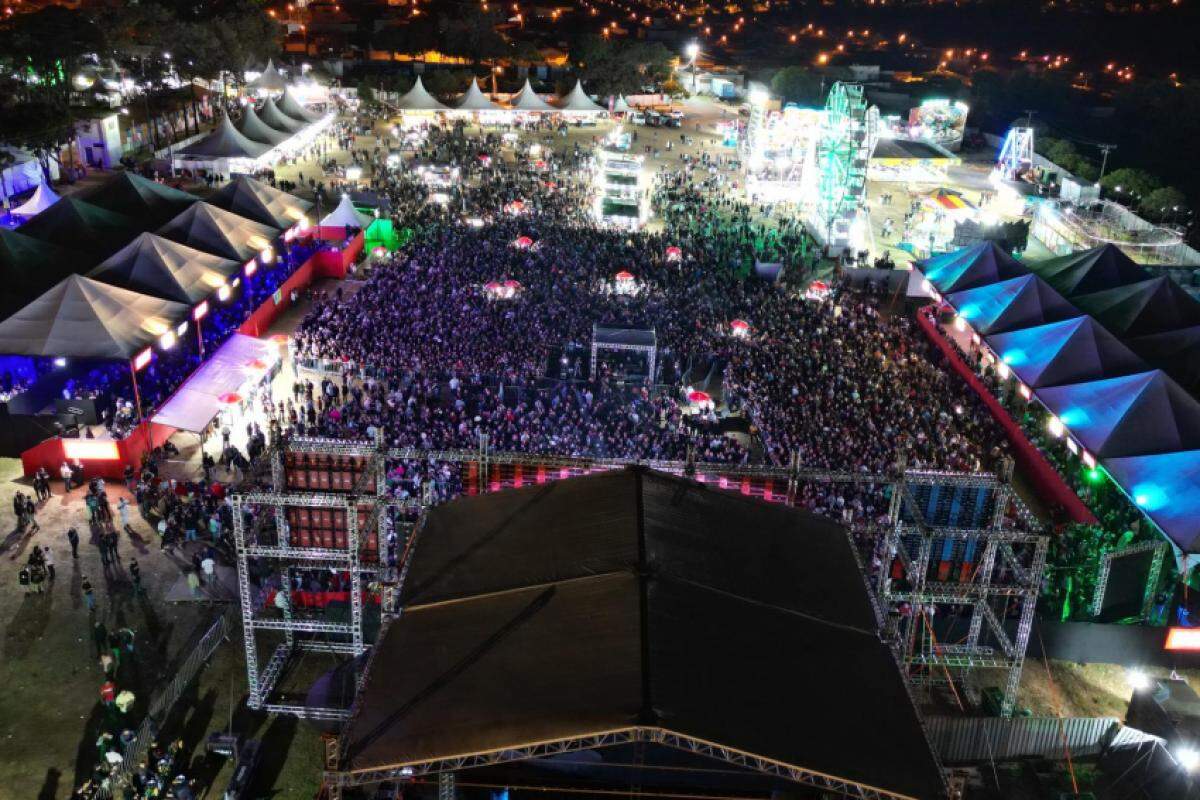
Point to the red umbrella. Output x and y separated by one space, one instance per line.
492 286
624 276
819 286
699 397
230 398
740 325
524 242
674 253
511 284
256 363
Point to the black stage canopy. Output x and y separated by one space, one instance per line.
633 601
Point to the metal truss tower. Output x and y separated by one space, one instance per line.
1016 154
937 569
324 510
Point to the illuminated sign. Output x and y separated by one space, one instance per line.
91 449
1183 639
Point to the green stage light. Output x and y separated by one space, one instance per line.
1093 475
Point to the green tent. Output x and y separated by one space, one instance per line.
382 233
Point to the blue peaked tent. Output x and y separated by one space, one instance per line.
971 267
1071 351
1142 414
1167 488
1010 304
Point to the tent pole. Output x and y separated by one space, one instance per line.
200 339
137 397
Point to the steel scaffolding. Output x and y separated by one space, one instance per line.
1002 578
350 506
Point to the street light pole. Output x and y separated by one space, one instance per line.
1105 149
693 50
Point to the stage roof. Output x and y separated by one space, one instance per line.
251 198
1147 307
198 401
1071 351
623 335
637 600
213 230
84 318
1093 270
970 267
1165 487
1142 414
147 201
165 269
1007 305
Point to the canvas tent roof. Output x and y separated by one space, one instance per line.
270 80
418 99
970 267
1091 270
198 401
224 142
291 106
1167 488
213 230
1176 353
622 105
1141 414
345 215
84 318
1143 308
270 114
583 605
42 198
578 101
162 268
251 198
30 266
83 227
1071 351
142 199
473 99
1014 303
254 128
528 100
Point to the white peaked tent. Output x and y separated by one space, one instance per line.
291 106
225 142
527 100
577 102
43 197
621 106
345 216
278 120
474 99
252 127
418 99
271 80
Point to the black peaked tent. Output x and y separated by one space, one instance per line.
1147 307
1071 351
165 269
270 114
254 128
224 142
636 607
255 200
92 231
83 318
1103 267
149 202
1176 353
29 267
214 230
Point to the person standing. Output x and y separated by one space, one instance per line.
135 573
48 560
123 512
89 596
73 538
67 474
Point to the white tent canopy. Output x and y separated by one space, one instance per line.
345 215
528 100
43 197
418 99
252 127
473 99
84 318
240 362
621 106
291 106
271 80
577 102
24 173
278 120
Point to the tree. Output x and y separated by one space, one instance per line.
366 94
1131 182
797 85
1163 203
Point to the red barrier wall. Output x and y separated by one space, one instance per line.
1050 486
258 322
51 453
